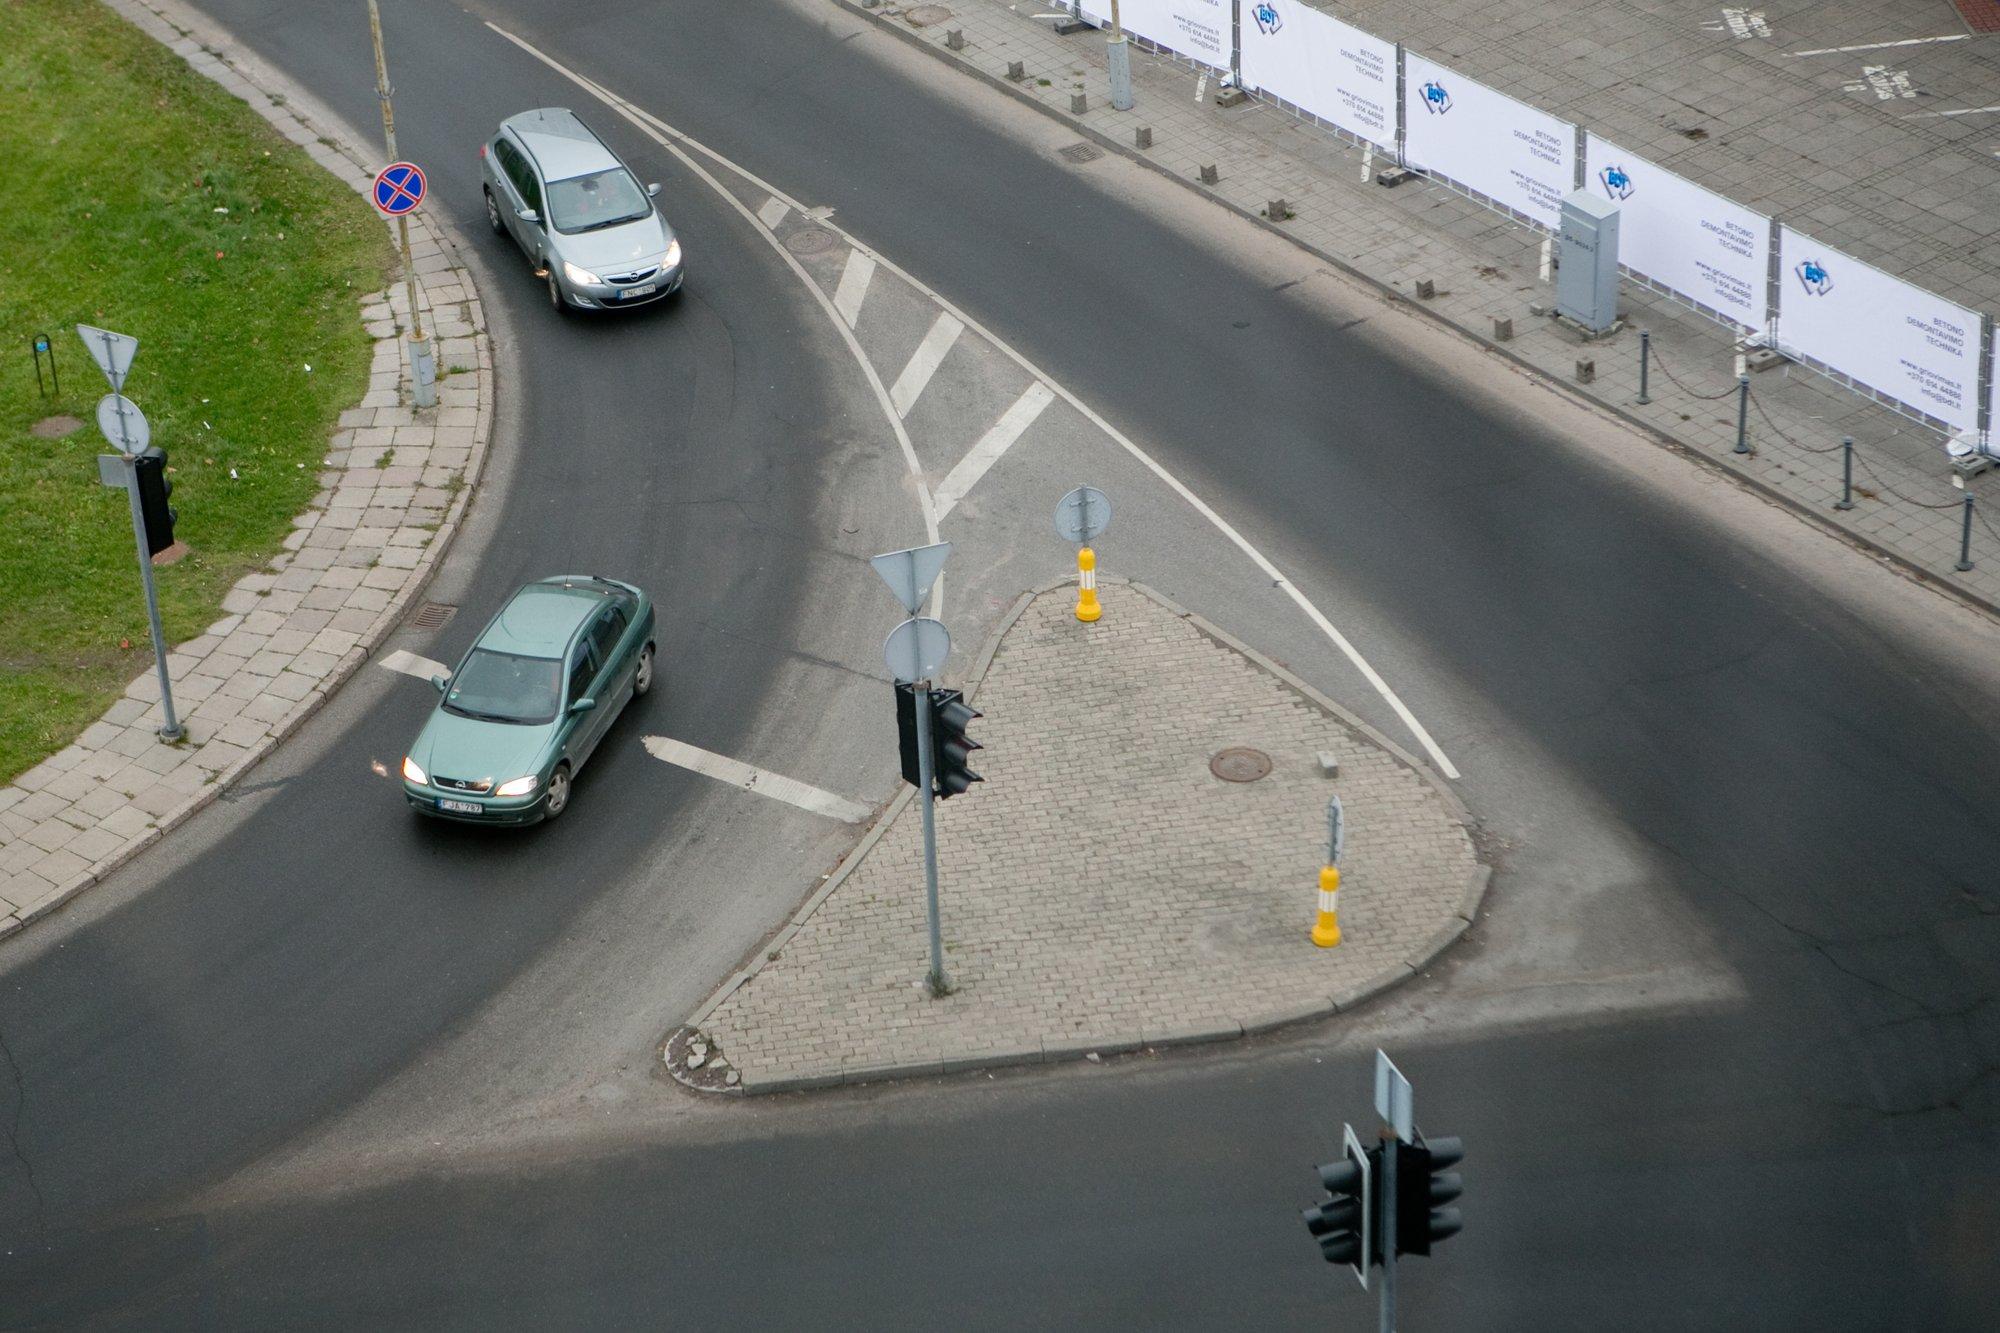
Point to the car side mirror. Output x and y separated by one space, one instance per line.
583 705
527 215
443 682
653 190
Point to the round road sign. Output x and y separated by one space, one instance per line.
123 423
398 188
917 648
1082 515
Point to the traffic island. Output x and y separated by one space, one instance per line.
1140 868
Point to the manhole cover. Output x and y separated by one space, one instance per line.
54 428
809 241
1240 763
432 615
1080 152
923 16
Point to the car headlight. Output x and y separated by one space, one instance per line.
582 275
519 786
673 254
412 773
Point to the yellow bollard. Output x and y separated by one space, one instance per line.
1326 932
1087 608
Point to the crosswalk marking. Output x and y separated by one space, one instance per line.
772 213
412 665
853 289
751 778
997 440
930 353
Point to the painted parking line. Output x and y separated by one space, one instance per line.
772 213
853 289
411 665
1962 111
923 363
751 778
1878 46
997 441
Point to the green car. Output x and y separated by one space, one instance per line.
541 685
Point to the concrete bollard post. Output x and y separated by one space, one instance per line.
1209 175
1016 71
1503 328
1078 103
954 39
1586 369
1142 137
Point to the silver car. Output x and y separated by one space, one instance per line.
578 212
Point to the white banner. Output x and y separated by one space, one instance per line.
1689 239
1919 349
1319 64
1198 29
1506 150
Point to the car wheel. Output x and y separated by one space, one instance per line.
557 800
493 215
555 292
642 679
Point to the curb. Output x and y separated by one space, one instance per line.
177 17
1930 578
1353 997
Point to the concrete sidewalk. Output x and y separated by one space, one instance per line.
1482 268
394 486
1105 889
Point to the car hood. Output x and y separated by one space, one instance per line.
467 748
616 249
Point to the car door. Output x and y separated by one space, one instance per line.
609 632
586 727
520 174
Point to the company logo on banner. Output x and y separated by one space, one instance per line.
1523 159
1617 183
1325 67
1814 277
1691 241
1268 19
1436 100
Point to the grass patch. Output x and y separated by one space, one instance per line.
147 200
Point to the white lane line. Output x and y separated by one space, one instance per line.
411 665
660 132
1963 111
853 289
772 213
749 777
923 363
1879 46
995 442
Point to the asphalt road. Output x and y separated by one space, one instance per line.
1810 788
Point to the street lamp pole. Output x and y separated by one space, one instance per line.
1119 53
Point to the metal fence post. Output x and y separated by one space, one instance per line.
1645 356
1846 473
1402 111
1965 538
1742 414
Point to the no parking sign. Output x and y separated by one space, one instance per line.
398 188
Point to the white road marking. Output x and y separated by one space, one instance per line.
411 665
923 363
749 777
672 140
1962 111
1887 84
853 289
995 442
1878 46
772 213
1741 23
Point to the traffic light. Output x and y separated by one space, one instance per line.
951 748
154 488
1347 1224
1423 1187
906 731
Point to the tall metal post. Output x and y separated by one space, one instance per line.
1846 500
171 730
1742 414
1965 538
1387 1309
423 378
1118 54
926 783
1645 364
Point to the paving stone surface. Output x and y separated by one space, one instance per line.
1103 890
393 485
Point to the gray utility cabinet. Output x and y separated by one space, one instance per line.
1587 282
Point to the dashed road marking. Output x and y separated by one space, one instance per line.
853 289
749 777
772 213
923 363
409 664
997 441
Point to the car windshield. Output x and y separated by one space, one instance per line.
505 687
601 199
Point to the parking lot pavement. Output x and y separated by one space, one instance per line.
394 485
1104 890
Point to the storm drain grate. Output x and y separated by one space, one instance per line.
432 615
809 241
1080 152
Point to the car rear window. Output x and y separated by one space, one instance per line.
506 687
600 199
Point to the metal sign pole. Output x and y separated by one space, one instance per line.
1387 1309
926 781
172 730
422 380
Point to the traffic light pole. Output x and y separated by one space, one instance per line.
926 792
1387 1312
172 729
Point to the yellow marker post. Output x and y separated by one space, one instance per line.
1087 608
1326 931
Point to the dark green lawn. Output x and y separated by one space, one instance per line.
143 198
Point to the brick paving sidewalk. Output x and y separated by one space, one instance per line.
1484 268
394 487
1103 890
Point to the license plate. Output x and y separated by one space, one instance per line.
462 807
645 290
